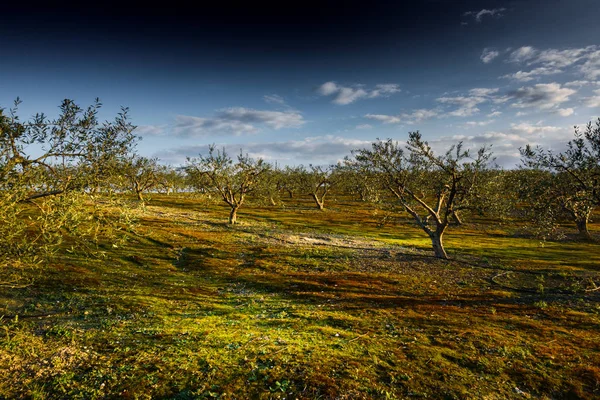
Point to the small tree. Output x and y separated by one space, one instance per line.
232 181
358 178
171 180
431 188
315 181
142 174
576 175
270 186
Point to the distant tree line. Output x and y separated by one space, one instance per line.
53 170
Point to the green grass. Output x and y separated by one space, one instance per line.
297 303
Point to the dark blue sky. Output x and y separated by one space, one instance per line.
309 82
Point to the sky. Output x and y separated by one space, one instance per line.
307 82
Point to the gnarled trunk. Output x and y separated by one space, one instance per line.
320 203
582 227
233 215
438 245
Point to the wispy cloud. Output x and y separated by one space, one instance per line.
593 101
543 96
468 104
386 119
479 15
565 112
474 124
150 130
326 149
344 95
527 129
526 76
584 60
413 117
488 55
236 121
274 99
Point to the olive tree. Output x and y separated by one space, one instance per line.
48 169
575 175
315 181
142 174
431 188
233 181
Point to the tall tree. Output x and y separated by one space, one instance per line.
47 171
431 188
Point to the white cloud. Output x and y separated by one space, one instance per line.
522 54
505 144
542 95
591 67
586 58
386 119
384 89
344 95
467 105
348 95
581 83
478 15
420 115
472 124
274 99
236 121
413 117
593 101
526 76
488 55
364 126
494 114
483 92
328 88
565 112
319 150
150 130
525 128
273 119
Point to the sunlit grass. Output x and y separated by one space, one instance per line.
300 303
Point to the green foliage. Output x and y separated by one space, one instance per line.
231 181
49 173
432 188
573 186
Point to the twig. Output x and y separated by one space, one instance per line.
358 337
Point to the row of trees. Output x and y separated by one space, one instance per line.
77 161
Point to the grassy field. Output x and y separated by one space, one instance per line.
298 303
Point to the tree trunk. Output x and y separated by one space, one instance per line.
320 203
273 203
438 245
233 215
140 197
290 193
582 227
